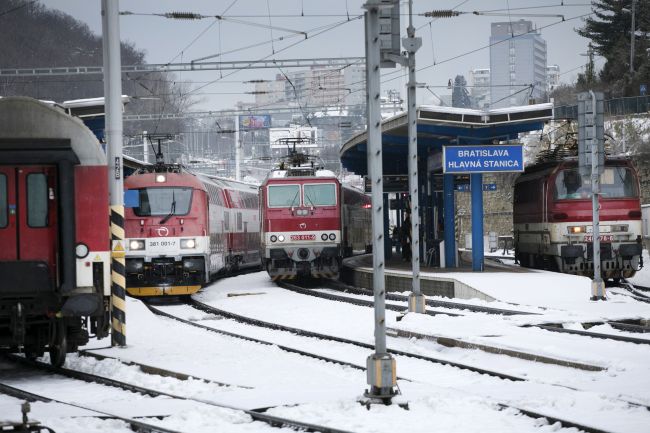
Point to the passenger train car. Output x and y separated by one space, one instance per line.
54 231
309 222
553 218
183 229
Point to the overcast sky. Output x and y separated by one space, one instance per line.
450 46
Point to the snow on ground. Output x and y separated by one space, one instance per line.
321 392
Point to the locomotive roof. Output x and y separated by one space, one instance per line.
27 118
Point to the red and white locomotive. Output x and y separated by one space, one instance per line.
310 221
553 218
182 229
54 231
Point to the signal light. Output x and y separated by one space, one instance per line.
324 236
332 236
560 216
577 229
160 178
274 238
281 238
634 214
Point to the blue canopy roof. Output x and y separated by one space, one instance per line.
438 126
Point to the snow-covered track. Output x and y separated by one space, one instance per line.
135 425
254 340
148 369
392 297
273 421
255 322
305 333
473 308
599 335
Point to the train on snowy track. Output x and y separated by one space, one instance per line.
54 231
183 229
310 221
553 218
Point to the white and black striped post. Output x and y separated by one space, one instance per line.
113 132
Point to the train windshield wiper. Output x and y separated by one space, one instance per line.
309 198
293 200
171 211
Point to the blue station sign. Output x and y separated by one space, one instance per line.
483 159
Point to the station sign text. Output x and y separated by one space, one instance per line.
483 159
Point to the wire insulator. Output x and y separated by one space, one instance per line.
183 15
448 13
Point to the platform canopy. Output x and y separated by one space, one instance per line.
438 126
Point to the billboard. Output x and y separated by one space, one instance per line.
254 122
280 138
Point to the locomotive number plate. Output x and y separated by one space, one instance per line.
162 244
303 237
603 238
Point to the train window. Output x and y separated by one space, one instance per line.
164 201
239 221
36 200
3 201
322 194
284 195
615 182
226 220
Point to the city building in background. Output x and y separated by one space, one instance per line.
517 61
552 77
479 80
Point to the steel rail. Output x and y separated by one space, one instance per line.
304 333
271 420
135 425
526 412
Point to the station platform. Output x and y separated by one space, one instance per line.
434 281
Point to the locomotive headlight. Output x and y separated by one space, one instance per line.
160 178
332 236
188 244
620 228
136 244
274 238
81 250
324 236
577 229
281 238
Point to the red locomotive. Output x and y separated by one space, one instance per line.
553 218
183 229
54 231
310 221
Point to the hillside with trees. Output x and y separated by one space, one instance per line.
35 36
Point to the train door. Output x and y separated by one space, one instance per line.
28 211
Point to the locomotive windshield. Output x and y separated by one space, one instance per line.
163 201
615 182
319 194
284 195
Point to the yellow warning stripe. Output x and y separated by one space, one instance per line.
162 291
118 279
118 303
119 326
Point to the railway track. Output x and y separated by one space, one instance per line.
462 306
254 322
273 421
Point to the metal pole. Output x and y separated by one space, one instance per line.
237 149
411 44
598 287
113 109
381 366
632 38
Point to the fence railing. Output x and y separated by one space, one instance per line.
613 107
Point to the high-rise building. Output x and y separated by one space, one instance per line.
479 80
517 61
